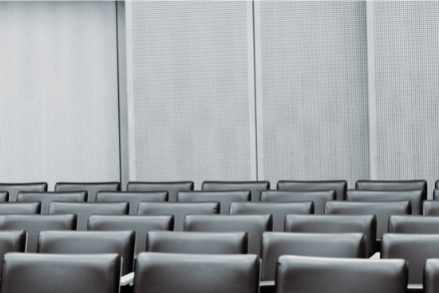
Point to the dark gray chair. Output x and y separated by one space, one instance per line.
319 197
92 188
436 194
393 185
414 225
23 208
256 187
340 186
171 187
47 197
14 188
431 208
4 196
12 241
133 197
225 198
431 275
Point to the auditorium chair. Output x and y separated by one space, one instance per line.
196 273
47 197
90 242
133 197
414 196
366 224
34 224
382 210
139 224
225 198
84 209
254 225
12 241
431 276
197 242
23 208
436 194
60 273
339 186
4 196
393 185
92 188
431 208
171 187
179 210
319 197
299 274
279 210
414 225
14 188
255 187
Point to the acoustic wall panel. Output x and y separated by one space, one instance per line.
313 97
192 90
407 89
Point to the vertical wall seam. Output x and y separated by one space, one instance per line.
118 93
254 84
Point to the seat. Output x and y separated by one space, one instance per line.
319 197
34 224
196 273
254 225
140 224
275 244
382 210
414 225
23 208
279 210
12 241
366 224
179 210
133 197
14 188
60 273
256 187
47 197
340 186
414 196
393 185
92 188
225 198
197 242
4 196
90 242
171 187
431 208
84 209
436 194
298 274
431 275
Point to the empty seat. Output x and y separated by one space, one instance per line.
23 208
279 210
198 242
179 210
254 225
90 242
275 244
92 188
393 185
14 188
133 197
84 209
47 197
366 224
225 198
12 241
431 276
4 196
414 196
414 225
30 273
319 198
436 194
297 274
196 273
171 187
431 208
140 224
340 186
256 187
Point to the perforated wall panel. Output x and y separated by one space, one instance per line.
407 89
314 90
191 96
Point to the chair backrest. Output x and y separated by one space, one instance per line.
92 188
225 198
436 194
47 197
275 244
340 186
196 273
414 196
279 210
256 187
84 209
139 224
319 197
12 241
254 225
414 225
366 224
171 187
133 197
90 242
34 224
393 185
341 275
197 242
431 276
27 273
14 188
179 210
414 248
431 208
23 208
4 196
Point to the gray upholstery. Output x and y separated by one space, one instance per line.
225 198
92 188
47 197
22 208
319 197
431 208
340 186
431 275
414 224
14 188
171 187
132 197
393 185
256 187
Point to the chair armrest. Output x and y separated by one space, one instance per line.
128 279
